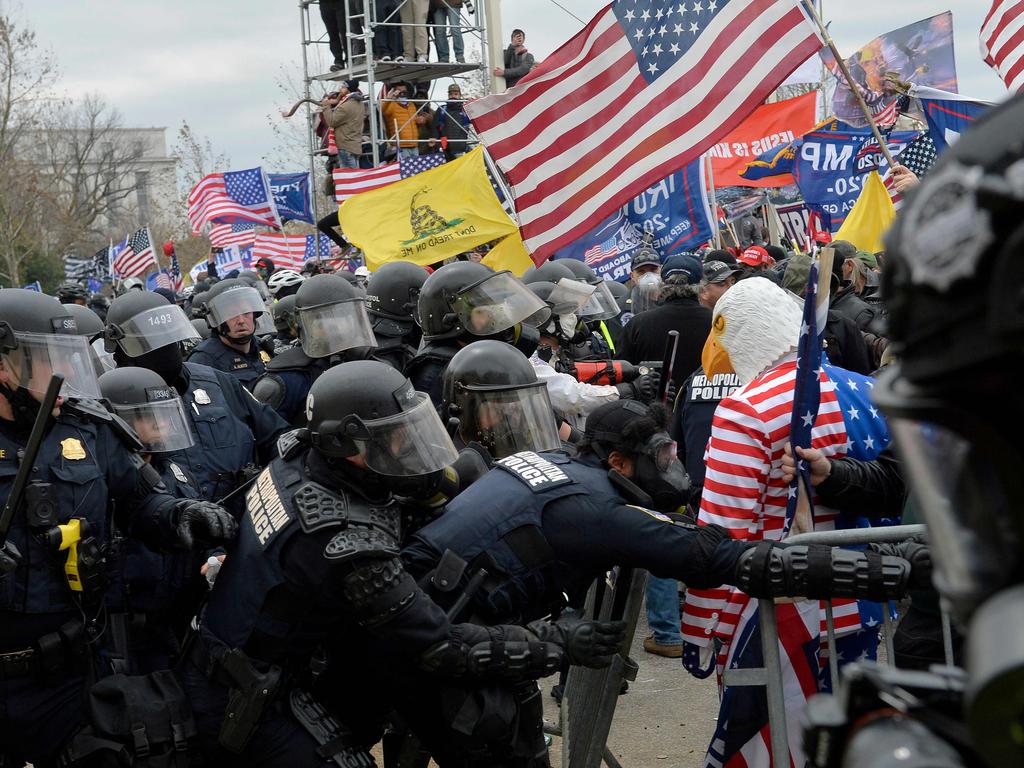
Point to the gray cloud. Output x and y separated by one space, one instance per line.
215 63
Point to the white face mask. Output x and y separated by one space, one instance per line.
567 324
651 280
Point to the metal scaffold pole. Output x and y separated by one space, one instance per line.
306 37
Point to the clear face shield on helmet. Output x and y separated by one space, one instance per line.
646 292
161 424
601 305
152 329
407 444
330 328
232 303
564 303
38 356
507 420
497 303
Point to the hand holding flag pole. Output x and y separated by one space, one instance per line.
854 86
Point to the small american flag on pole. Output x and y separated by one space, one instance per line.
1002 41
671 77
232 197
134 255
223 235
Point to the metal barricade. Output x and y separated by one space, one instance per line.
591 695
770 675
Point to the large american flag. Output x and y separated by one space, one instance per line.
1002 41
134 255
223 235
290 251
232 197
352 181
643 89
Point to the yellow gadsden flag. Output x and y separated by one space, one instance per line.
872 215
428 217
510 254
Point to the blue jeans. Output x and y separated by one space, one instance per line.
449 16
347 160
663 610
408 152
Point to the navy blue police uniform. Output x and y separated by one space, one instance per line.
233 432
246 366
426 369
44 642
287 381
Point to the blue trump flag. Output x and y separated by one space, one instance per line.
291 194
675 210
33 286
948 114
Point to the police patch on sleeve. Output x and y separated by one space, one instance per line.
651 513
538 473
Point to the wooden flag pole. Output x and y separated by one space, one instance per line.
854 86
714 200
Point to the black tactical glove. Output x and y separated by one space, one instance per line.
587 643
643 388
209 521
917 554
9 558
504 652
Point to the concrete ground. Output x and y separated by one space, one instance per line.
665 720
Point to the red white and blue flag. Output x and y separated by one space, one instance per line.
232 197
646 87
134 255
351 181
223 235
1002 41
291 251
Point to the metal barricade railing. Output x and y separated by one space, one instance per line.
770 675
591 695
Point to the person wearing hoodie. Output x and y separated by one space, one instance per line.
518 60
344 114
453 124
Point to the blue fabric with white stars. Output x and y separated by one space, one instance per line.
661 33
246 187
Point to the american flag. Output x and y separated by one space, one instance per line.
352 181
159 280
290 251
223 235
134 255
600 252
886 115
232 197
919 156
670 76
1002 44
177 279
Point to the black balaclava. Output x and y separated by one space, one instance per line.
165 361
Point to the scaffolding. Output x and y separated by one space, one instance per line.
362 23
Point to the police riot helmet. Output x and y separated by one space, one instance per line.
368 409
332 316
391 295
952 284
233 298
199 308
150 406
284 282
285 317
72 293
141 321
493 391
550 272
88 322
39 337
564 302
466 298
201 328
602 305
257 282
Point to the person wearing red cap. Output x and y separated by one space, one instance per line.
757 258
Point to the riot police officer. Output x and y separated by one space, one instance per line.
72 293
154 594
493 397
51 593
391 295
317 561
602 307
522 523
951 284
286 324
234 432
464 302
331 317
233 307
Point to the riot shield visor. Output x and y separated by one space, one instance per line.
161 425
153 328
330 328
496 304
507 420
569 296
38 356
413 442
234 302
601 305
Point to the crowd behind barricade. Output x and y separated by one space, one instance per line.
284 516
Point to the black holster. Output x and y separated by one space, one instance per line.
251 693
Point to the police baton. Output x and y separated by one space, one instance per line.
668 364
28 459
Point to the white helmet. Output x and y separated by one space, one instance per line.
283 278
132 283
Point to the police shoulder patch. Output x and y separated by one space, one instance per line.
535 471
651 513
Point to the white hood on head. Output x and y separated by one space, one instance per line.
760 324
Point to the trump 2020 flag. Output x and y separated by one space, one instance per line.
291 195
642 90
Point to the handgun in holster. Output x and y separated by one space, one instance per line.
250 694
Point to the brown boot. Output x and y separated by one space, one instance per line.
673 651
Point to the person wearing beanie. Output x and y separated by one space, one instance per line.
343 112
453 124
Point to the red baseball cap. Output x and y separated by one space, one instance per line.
756 256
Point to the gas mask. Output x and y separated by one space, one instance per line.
660 474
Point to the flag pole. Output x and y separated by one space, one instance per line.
714 199
854 86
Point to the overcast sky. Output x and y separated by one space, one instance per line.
216 63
